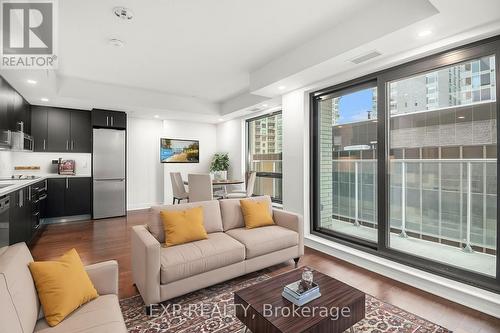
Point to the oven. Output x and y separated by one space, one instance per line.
38 195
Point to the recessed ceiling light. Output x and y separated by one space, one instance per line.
156 116
281 87
116 42
221 119
425 33
123 13
44 99
264 105
31 81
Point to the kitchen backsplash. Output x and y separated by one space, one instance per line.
83 162
5 163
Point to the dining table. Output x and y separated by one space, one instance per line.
222 183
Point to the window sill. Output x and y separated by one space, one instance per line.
464 294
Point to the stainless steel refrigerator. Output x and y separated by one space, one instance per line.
109 173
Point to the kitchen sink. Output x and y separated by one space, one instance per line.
5 185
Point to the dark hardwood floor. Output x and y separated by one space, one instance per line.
107 239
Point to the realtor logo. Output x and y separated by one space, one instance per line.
28 34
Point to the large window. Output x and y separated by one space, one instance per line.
348 162
264 141
404 164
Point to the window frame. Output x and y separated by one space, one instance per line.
443 59
272 175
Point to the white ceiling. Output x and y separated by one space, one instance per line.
203 59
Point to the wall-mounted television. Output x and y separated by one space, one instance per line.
179 151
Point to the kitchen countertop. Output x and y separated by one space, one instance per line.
18 184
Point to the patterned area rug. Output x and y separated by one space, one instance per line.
212 310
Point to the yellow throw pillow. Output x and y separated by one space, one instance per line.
62 285
183 226
256 213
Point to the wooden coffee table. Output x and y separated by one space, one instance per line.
263 310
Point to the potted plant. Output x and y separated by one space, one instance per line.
219 166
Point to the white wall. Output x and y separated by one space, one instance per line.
83 162
295 153
144 170
205 133
231 140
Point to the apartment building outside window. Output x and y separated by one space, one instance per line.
264 154
413 175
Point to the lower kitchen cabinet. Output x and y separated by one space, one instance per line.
68 196
20 217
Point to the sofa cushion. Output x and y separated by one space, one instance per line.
264 240
232 217
102 315
183 226
63 285
182 261
211 217
19 305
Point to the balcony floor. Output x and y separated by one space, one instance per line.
475 261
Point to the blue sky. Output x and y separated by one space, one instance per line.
353 107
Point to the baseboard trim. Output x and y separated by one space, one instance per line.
142 206
65 219
466 295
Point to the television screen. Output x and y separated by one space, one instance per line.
179 151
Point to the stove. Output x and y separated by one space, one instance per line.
20 177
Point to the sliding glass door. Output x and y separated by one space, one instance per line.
404 164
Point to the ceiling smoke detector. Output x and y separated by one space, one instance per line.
123 13
116 42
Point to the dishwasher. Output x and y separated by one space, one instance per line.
4 220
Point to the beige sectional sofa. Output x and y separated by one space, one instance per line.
231 250
20 310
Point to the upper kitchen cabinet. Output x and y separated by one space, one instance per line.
81 132
61 130
4 104
109 119
15 111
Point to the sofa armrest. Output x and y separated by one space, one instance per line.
146 264
104 276
293 222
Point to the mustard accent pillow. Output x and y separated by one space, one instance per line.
63 286
183 226
256 213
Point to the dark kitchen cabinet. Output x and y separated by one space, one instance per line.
4 105
78 194
58 128
68 196
81 132
20 217
39 123
109 119
56 189
61 130
14 109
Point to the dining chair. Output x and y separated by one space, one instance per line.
249 190
200 187
178 190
